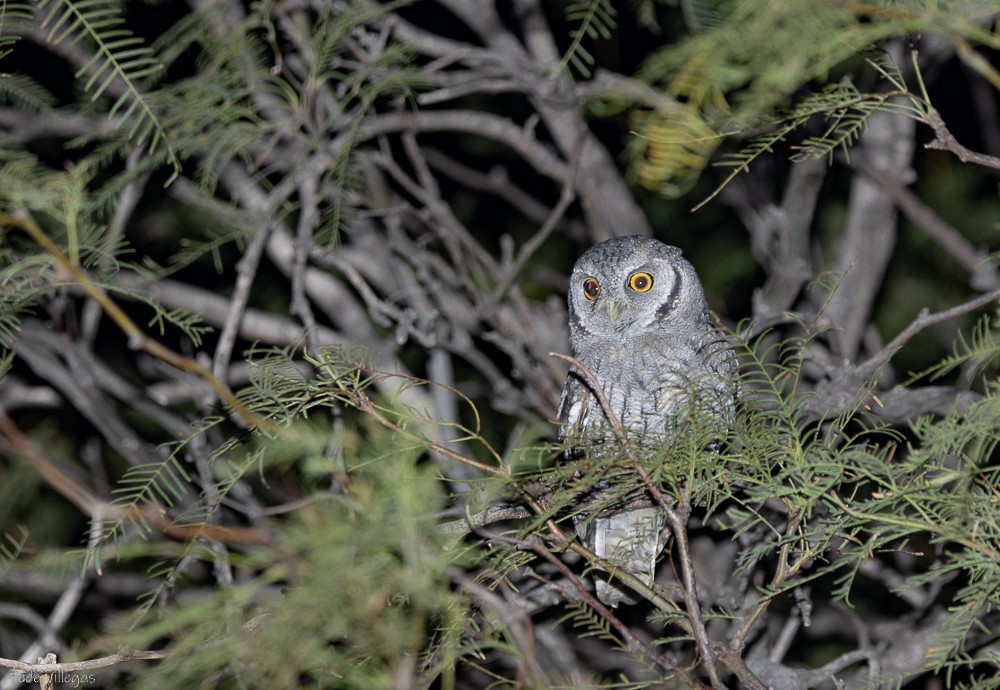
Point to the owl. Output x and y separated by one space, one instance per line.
639 321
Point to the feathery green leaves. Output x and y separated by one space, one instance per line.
120 63
591 19
748 72
10 548
13 16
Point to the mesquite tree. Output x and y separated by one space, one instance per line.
281 281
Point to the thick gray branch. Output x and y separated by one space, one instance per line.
869 236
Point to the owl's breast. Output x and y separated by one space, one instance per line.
638 384
649 382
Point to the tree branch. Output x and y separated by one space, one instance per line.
944 140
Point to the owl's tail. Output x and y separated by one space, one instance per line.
631 539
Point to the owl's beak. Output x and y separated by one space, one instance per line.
615 310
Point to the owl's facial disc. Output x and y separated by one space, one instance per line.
624 302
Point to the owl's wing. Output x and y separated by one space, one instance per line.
573 392
573 405
720 388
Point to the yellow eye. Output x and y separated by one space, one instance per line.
640 282
591 289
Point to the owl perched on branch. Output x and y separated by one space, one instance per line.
639 322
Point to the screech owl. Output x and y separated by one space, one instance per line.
638 320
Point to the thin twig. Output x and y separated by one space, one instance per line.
595 387
566 197
137 340
246 272
679 527
457 529
626 578
944 140
98 509
308 222
364 404
89 665
128 200
781 574
984 275
922 321
633 643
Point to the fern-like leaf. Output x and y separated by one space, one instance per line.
12 15
981 350
700 15
10 548
594 19
192 325
120 58
22 90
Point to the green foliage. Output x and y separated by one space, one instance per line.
700 15
845 111
364 589
746 73
120 63
162 482
12 15
10 549
19 292
856 490
817 500
22 89
974 355
593 19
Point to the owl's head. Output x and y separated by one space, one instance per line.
630 286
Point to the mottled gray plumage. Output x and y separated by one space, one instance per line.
643 329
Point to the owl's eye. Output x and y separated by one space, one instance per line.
591 289
640 282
